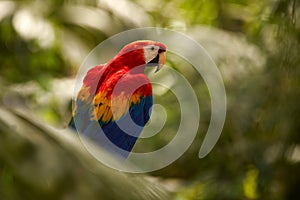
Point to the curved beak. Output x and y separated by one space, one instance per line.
161 60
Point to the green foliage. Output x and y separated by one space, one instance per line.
38 162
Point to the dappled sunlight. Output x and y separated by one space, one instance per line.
128 11
32 27
6 8
90 17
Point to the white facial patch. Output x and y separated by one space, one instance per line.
150 52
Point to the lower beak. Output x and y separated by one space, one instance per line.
161 61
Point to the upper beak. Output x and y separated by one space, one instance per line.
161 60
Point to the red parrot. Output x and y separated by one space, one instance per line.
115 100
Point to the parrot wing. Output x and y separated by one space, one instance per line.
91 82
120 108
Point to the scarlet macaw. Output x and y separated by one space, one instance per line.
116 97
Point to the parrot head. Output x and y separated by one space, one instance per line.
143 52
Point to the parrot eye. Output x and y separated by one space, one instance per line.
151 48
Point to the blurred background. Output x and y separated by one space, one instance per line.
255 44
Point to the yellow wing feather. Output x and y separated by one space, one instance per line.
113 108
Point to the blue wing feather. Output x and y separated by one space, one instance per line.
117 137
